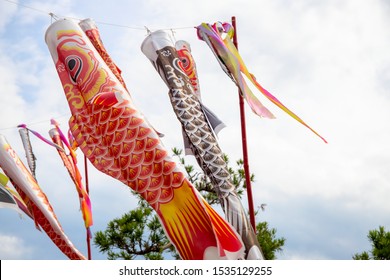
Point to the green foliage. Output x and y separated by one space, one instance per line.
136 233
139 234
269 244
361 256
380 246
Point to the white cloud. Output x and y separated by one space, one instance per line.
13 248
6 12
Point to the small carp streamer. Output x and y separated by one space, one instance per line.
35 200
10 198
170 63
31 159
219 38
70 163
116 138
92 32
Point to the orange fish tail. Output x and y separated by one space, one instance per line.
197 231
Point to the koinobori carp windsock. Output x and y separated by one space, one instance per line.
70 163
35 200
188 65
9 198
218 37
30 157
90 29
159 48
116 138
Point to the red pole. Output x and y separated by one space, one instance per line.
87 190
244 144
86 174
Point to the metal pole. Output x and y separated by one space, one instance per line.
244 144
87 190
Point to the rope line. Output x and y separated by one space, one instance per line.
57 17
28 7
35 123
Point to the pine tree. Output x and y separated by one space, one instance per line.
139 234
380 246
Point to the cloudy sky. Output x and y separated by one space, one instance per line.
328 61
